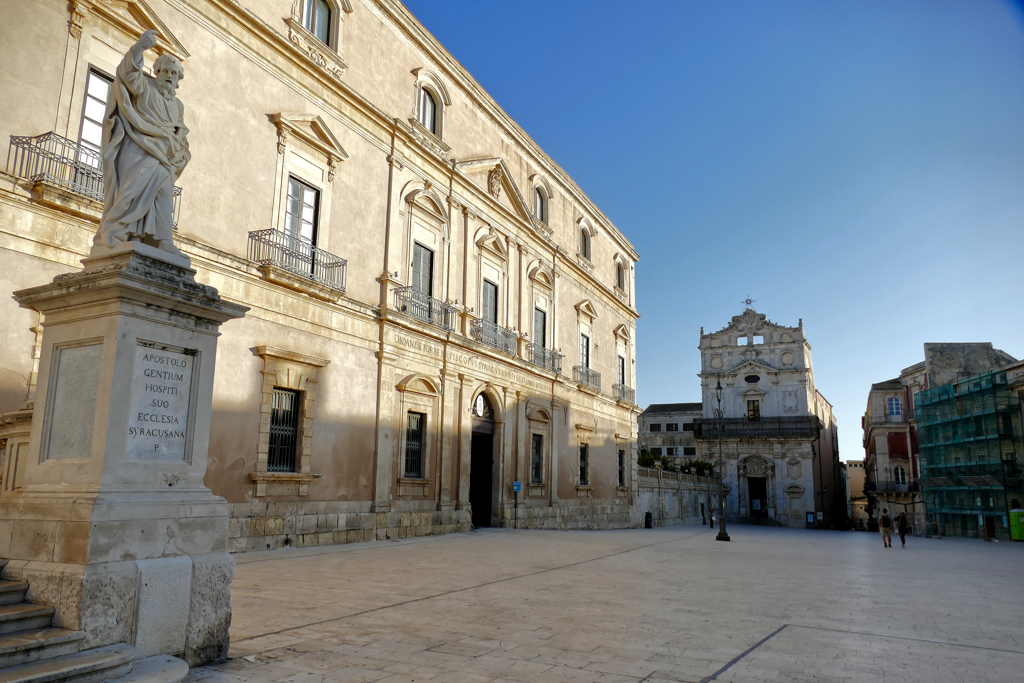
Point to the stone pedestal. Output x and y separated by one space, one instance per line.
110 520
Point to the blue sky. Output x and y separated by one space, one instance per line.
859 165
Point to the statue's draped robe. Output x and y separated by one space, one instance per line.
144 152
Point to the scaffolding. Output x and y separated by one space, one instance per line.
969 436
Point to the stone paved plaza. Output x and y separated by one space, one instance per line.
668 604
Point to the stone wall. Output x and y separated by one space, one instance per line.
674 498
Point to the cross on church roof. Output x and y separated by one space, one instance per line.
748 301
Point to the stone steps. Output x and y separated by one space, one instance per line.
32 651
36 644
12 591
24 616
89 666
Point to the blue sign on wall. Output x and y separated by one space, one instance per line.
517 486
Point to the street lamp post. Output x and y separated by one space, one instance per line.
722 535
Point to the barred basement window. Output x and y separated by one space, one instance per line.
672 427
687 426
584 474
622 467
415 427
656 427
284 430
537 460
672 450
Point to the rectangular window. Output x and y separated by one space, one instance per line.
671 427
655 451
540 327
97 92
584 350
758 339
689 450
537 460
490 303
284 430
302 211
422 269
584 474
622 467
672 450
687 426
656 427
622 370
753 410
894 407
415 428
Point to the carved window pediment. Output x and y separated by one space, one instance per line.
493 241
586 308
323 56
131 18
311 130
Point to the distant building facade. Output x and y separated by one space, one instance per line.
779 437
951 425
858 502
891 464
667 429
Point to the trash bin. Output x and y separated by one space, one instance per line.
648 520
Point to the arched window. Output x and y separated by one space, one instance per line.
900 475
316 18
620 277
538 205
428 111
584 243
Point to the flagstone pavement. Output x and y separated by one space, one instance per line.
668 604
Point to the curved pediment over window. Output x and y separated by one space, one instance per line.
541 273
420 384
417 192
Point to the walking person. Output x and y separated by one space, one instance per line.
885 527
901 528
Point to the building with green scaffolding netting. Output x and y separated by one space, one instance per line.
969 433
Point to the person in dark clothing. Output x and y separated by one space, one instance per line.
885 527
901 528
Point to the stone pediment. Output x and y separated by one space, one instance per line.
750 322
492 240
586 308
494 178
310 129
753 365
131 17
622 332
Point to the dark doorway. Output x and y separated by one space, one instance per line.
990 527
480 473
758 487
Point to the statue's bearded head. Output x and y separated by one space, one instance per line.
168 71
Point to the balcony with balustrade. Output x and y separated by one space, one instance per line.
545 358
61 167
765 428
425 308
624 392
587 377
494 335
295 262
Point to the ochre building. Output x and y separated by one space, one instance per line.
437 311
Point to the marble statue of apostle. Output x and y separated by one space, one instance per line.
144 151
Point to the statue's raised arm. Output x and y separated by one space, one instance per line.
145 149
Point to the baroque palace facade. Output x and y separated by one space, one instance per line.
436 309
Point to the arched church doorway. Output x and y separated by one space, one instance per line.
481 466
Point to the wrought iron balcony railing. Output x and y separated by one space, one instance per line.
624 392
545 358
297 255
494 335
64 163
581 374
765 428
425 308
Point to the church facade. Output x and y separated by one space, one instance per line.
774 430
441 325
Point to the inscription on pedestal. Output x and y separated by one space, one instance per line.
158 421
